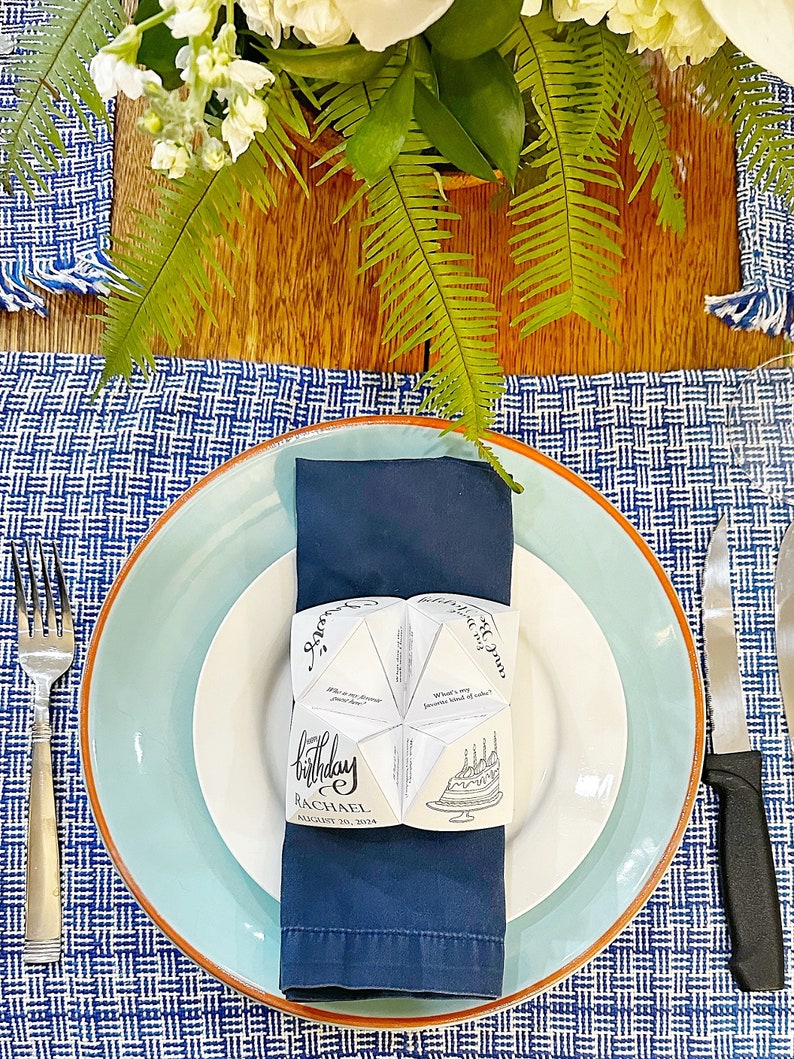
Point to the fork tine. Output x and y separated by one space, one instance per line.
22 606
38 624
52 624
66 610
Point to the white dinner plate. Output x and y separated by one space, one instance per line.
569 729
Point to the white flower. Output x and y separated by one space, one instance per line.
217 67
763 31
172 116
190 18
261 19
245 117
213 155
379 24
318 22
591 11
171 158
207 65
376 23
7 45
113 69
681 29
111 74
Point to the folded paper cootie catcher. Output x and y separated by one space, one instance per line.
402 713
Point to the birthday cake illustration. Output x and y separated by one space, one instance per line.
473 788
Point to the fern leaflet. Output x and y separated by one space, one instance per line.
430 295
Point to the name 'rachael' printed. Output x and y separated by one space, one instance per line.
402 713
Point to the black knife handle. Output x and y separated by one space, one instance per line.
749 884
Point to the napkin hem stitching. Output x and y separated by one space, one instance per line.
407 933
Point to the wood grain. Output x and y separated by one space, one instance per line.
299 298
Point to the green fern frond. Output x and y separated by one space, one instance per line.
599 97
734 89
566 236
638 106
428 294
53 68
169 262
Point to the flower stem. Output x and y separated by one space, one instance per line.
156 20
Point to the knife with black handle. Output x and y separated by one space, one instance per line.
747 869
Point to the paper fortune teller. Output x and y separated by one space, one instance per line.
402 713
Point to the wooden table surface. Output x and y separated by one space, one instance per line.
298 298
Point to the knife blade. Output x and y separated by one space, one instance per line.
733 769
784 625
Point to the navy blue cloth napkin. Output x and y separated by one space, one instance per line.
395 911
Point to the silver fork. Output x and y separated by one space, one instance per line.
46 650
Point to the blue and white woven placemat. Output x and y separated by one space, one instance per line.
765 301
59 240
653 444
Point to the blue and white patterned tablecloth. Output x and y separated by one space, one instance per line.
653 444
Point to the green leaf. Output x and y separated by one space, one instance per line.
471 27
158 48
346 63
446 133
429 295
51 71
483 95
419 54
379 138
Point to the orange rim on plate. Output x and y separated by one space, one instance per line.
362 1021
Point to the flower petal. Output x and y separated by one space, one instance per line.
377 25
252 76
764 31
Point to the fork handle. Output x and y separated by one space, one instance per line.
43 891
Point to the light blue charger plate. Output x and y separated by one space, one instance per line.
166 605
